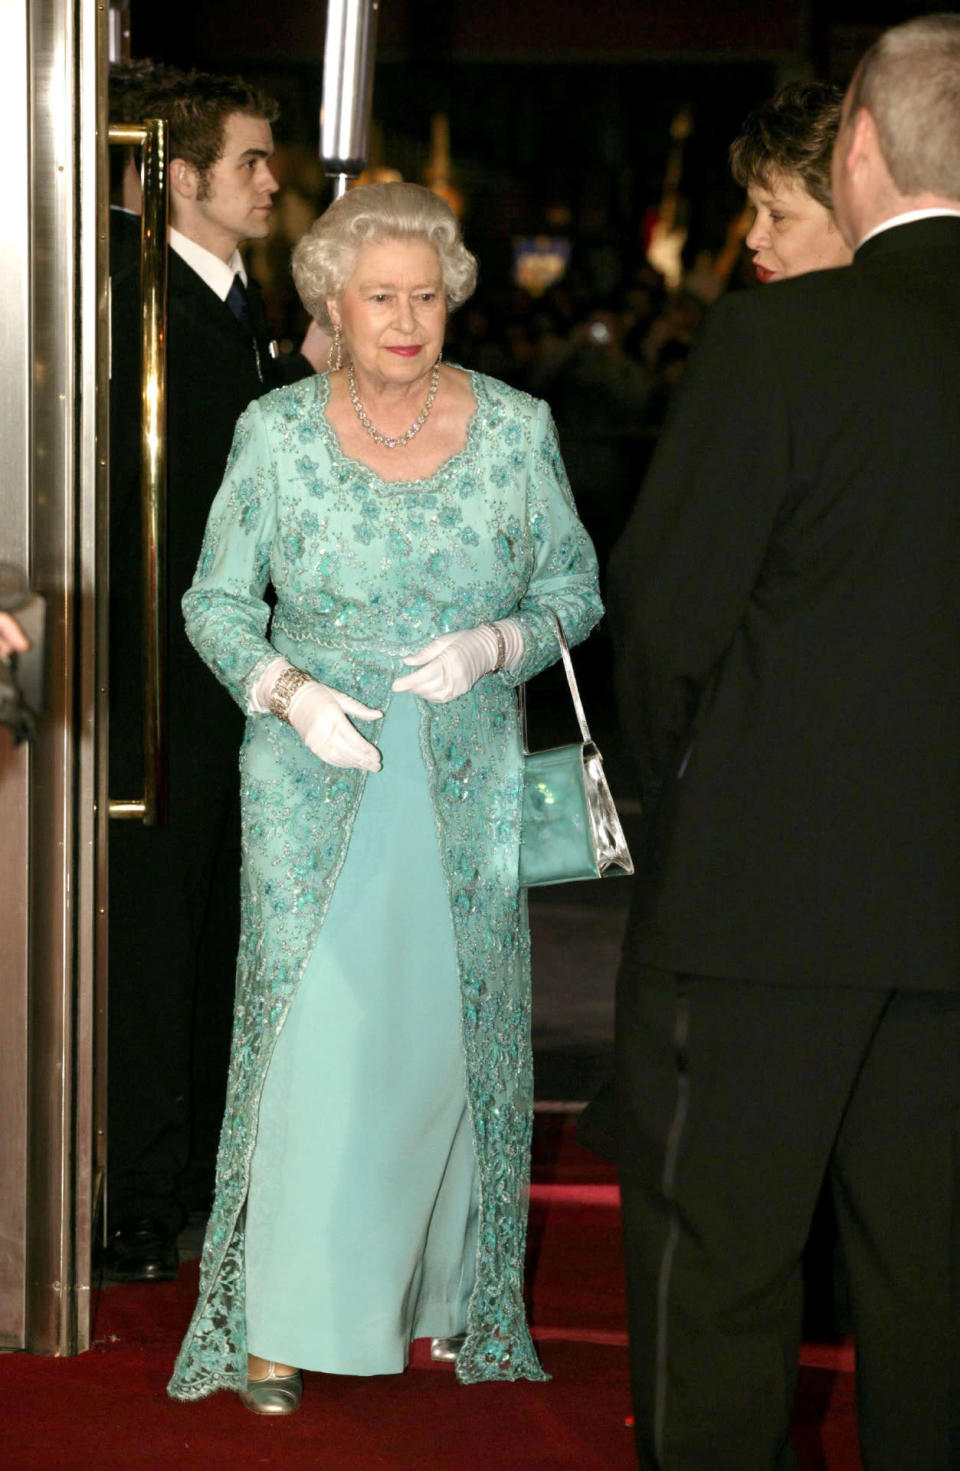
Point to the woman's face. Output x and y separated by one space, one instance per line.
392 312
793 233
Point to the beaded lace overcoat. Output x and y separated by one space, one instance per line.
367 570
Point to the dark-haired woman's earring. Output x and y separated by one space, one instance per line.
335 356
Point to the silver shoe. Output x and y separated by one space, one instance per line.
445 1350
274 1394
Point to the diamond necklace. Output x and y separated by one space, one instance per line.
387 441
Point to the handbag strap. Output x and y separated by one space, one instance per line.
574 691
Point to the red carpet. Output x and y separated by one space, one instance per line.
107 1410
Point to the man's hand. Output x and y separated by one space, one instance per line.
13 640
316 347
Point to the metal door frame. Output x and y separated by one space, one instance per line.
52 797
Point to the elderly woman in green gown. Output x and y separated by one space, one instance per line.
415 523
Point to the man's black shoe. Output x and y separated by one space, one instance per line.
140 1251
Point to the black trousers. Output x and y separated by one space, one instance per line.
735 1101
173 926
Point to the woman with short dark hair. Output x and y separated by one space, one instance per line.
782 158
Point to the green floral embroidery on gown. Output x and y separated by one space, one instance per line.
367 570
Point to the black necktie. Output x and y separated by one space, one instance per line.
237 301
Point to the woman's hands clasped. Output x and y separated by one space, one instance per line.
323 717
319 716
450 665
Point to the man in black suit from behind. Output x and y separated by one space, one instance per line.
174 890
786 614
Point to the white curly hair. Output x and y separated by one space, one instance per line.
324 258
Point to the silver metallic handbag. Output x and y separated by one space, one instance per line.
569 828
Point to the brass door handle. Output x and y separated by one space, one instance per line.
151 135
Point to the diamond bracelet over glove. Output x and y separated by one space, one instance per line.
285 687
501 646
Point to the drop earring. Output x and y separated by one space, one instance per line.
335 356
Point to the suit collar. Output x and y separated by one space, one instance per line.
192 300
935 232
218 274
186 281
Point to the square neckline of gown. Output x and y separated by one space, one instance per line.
404 487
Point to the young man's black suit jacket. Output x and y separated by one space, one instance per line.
215 367
175 890
785 606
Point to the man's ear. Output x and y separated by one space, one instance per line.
184 178
864 144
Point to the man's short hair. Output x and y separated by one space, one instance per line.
197 107
132 87
909 81
133 83
790 137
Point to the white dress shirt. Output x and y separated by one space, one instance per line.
218 274
907 219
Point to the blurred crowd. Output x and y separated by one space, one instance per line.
606 362
605 345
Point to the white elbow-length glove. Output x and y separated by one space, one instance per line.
319 716
450 665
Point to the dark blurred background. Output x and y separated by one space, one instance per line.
584 143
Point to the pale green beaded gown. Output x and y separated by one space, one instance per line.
375 1148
